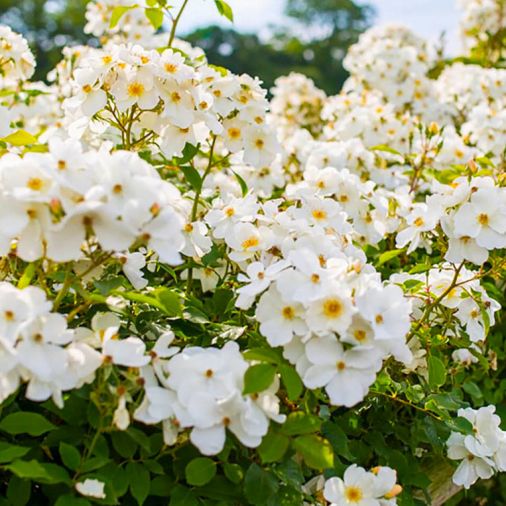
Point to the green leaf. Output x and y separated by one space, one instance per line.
299 422
316 451
155 17
117 14
462 425
437 371
10 452
259 485
182 496
139 481
233 472
224 9
258 378
37 471
170 300
242 184
27 276
386 149
19 491
273 447
123 444
292 381
69 456
71 500
263 355
338 439
20 138
24 422
200 471
192 176
389 255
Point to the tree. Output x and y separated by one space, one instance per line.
48 26
314 44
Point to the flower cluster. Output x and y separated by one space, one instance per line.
481 17
147 96
37 348
202 389
297 102
52 202
16 60
482 452
377 487
132 25
472 214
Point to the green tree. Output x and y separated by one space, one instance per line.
313 43
49 25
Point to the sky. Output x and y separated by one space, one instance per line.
427 18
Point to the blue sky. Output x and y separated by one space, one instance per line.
427 17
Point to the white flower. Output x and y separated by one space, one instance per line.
129 352
346 375
356 488
91 488
279 320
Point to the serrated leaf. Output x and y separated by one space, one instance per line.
258 378
273 447
263 355
437 371
139 481
37 471
224 9
9 452
259 485
24 422
234 472
155 17
20 138
200 471
292 381
298 423
316 451
69 456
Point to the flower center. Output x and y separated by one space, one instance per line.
136 89
250 242
35 184
234 133
378 319
9 315
332 308
340 366
419 222
288 313
360 335
483 219
353 494
318 214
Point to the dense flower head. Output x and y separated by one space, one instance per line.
16 60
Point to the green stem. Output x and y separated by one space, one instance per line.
175 22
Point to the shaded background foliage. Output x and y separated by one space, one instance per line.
313 42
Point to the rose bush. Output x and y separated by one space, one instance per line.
213 298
